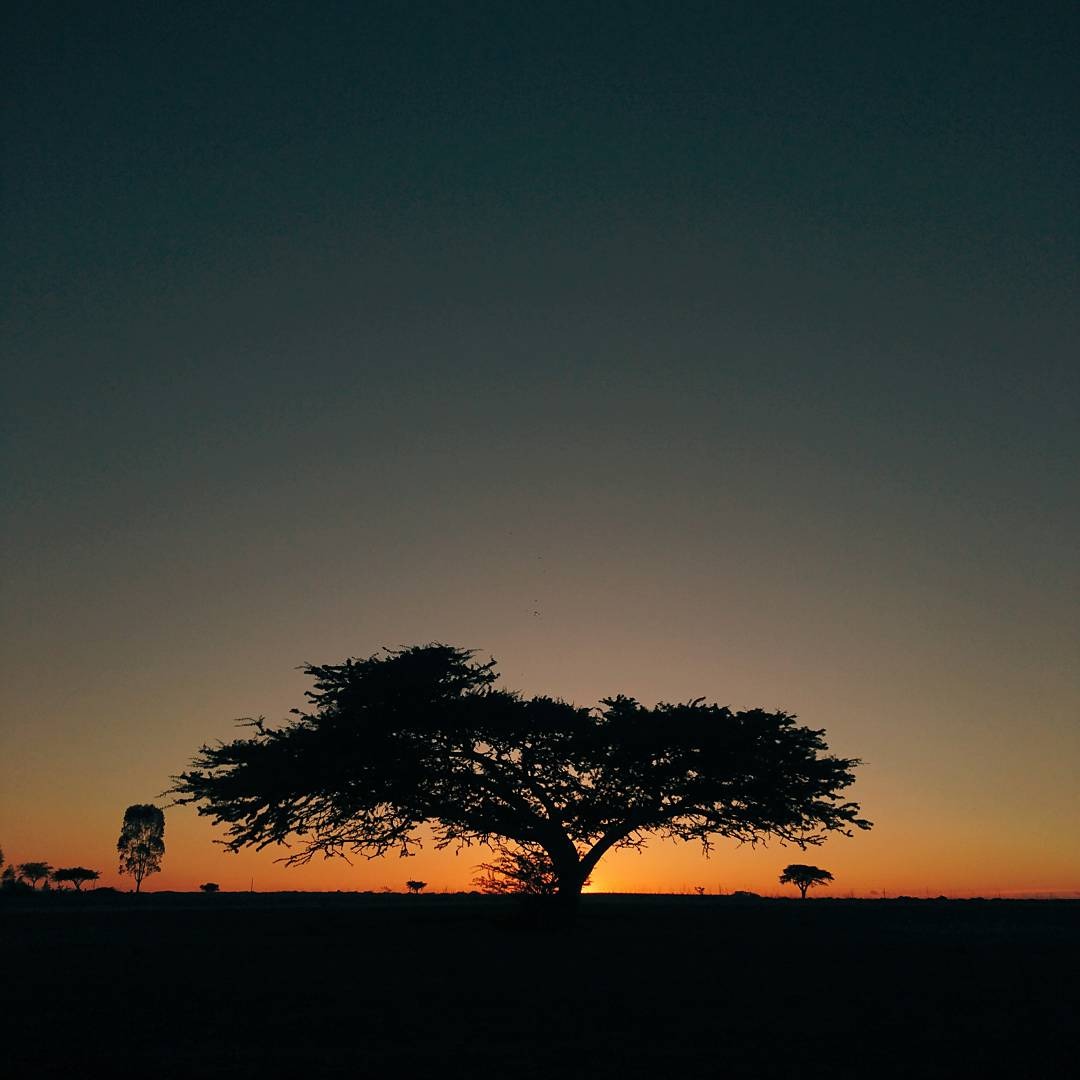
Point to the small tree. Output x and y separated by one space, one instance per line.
142 841
524 870
804 877
210 887
74 875
415 886
34 872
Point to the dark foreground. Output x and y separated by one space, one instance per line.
371 986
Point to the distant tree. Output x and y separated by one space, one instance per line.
699 889
419 735
210 887
8 879
33 872
804 877
74 875
142 841
415 886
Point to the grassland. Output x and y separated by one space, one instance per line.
362 986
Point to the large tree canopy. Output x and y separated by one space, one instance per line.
420 735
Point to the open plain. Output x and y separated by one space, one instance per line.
372 986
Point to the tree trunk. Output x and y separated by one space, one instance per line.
802 891
568 895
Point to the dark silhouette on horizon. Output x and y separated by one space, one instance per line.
420 735
142 841
415 887
33 872
76 876
804 877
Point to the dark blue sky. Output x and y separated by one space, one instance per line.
743 333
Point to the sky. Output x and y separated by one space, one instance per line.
726 351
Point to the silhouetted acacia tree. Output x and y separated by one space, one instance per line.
420 735
804 877
34 872
210 887
142 841
415 886
74 875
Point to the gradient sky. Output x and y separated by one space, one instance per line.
724 352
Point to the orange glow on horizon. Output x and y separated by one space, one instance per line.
868 865
940 827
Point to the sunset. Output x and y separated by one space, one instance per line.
658 425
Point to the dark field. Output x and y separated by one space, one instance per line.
173 985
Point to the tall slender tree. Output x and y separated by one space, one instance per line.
142 841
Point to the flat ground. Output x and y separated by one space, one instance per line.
360 986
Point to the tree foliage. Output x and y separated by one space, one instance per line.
421 735
804 877
415 887
210 887
518 870
76 876
33 872
142 841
